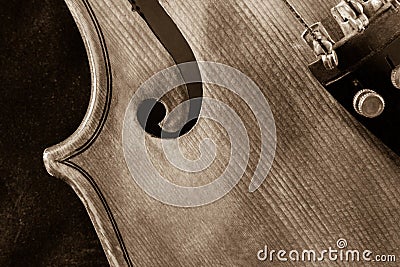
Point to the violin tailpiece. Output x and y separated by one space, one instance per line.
366 79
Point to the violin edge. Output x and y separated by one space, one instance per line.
57 158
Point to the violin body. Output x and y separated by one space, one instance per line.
330 178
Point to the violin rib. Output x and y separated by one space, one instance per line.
59 158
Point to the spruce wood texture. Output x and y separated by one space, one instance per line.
330 179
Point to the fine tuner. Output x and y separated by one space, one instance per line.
362 69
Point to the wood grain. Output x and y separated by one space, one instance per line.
331 179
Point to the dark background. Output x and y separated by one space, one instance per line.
45 90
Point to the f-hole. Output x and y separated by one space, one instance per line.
152 111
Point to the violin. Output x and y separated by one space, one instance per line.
218 131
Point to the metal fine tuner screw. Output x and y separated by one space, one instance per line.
368 103
396 77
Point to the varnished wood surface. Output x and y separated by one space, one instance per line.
331 179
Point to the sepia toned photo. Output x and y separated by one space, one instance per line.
200 133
